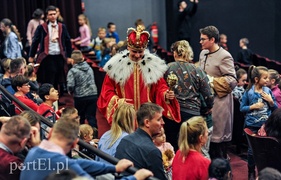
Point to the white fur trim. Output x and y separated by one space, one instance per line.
120 67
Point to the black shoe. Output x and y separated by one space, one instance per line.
61 103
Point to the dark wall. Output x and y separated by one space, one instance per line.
124 13
258 20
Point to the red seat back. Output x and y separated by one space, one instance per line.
266 150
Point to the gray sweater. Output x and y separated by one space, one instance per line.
81 80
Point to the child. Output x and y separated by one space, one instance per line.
49 95
86 134
111 27
97 42
274 85
85 34
223 41
160 142
269 173
70 113
220 169
106 48
239 90
167 151
257 102
244 56
81 82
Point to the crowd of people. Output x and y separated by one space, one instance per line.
143 103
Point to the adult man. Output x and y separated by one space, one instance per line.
139 147
55 48
186 11
217 62
14 135
50 156
135 76
17 67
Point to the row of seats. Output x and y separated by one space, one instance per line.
261 61
258 60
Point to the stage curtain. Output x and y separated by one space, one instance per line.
20 12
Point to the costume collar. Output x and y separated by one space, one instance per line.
213 52
52 24
120 67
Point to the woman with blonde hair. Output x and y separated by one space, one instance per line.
5 63
192 87
124 122
189 163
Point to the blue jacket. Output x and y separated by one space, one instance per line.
12 48
39 163
7 83
113 35
256 118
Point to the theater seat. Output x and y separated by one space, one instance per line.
238 137
266 150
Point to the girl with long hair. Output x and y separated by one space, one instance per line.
258 103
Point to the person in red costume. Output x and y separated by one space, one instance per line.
135 76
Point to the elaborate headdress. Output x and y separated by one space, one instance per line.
137 38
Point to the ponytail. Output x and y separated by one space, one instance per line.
254 72
250 80
190 132
183 139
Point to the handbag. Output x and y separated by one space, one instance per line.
221 86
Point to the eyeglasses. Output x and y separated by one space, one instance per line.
27 84
203 39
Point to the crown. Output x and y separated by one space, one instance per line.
137 38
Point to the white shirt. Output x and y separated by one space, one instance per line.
54 48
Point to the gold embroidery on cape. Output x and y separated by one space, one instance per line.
122 89
138 88
148 93
111 105
135 85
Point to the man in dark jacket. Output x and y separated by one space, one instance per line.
55 49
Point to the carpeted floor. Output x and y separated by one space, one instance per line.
238 163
